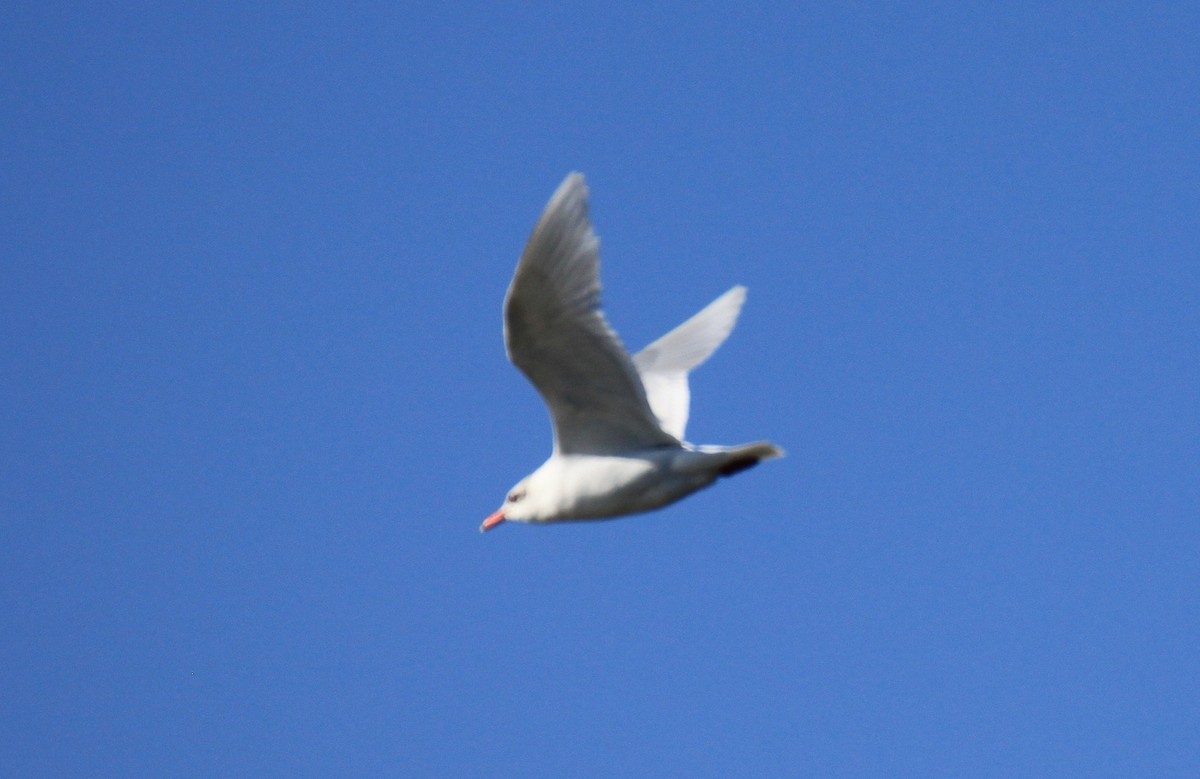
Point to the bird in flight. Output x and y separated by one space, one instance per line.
618 420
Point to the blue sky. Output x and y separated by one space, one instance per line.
255 402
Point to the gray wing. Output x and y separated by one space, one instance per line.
557 335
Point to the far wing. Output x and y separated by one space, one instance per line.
557 335
664 364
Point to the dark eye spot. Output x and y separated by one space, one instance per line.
515 496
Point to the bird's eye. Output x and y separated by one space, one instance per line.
515 496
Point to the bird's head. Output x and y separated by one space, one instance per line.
515 507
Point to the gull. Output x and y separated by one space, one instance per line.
618 420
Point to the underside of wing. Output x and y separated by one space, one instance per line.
664 364
557 335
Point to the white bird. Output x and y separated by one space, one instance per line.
618 421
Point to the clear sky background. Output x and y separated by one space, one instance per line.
254 401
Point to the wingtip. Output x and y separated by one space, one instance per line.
570 200
573 182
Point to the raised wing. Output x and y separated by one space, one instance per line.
557 335
664 364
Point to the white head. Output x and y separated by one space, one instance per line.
517 507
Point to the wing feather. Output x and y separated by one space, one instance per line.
556 333
664 364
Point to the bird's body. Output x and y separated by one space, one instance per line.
585 486
618 420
